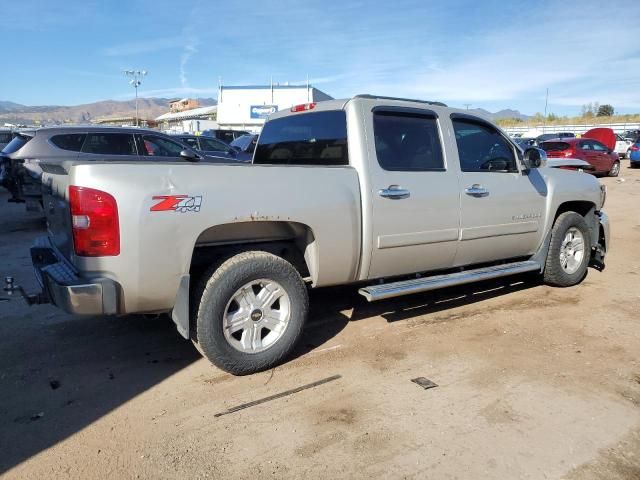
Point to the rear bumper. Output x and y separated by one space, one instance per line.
66 289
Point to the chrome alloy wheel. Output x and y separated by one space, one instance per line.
572 251
257 316
615 169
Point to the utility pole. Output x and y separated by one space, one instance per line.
546 103
136 76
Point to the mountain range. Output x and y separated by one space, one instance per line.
16 114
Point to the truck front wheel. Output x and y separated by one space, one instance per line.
251 312
569 251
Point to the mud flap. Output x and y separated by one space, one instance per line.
180 312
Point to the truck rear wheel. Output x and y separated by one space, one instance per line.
569 251
251 312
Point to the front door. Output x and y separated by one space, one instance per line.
502 208
414 198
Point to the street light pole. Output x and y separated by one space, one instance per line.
136 81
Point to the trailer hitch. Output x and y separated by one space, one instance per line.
32 299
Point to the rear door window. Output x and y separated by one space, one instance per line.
318 138
110 144
598 147
69 141
481 148
407 142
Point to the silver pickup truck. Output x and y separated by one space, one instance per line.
398 196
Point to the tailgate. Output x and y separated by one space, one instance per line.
55 183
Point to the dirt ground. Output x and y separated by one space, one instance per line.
533 383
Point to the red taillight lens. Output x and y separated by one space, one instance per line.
95 224
303 108
635 148
568 153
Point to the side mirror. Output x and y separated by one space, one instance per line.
534 158
190 155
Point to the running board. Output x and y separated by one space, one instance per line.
417 285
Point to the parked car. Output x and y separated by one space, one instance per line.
631 135
245 146
604 160
623 146
23 157
226 135
634 155
340 192
208 146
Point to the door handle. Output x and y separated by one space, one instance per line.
394 192
476 190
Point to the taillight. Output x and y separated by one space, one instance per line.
303 107
635 148
95 224
568 153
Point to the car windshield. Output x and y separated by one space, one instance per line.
19 141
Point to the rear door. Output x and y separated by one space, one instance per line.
502 208
414 193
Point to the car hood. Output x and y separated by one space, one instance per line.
569 162
602 135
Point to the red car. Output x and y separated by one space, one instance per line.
595 147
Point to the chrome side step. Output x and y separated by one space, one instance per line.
417 285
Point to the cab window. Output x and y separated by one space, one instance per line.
407 142
482 148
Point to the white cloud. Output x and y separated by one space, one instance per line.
145 46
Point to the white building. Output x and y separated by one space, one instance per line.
194 120
247 107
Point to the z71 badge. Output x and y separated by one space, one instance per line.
176 203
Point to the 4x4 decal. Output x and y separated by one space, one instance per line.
176 203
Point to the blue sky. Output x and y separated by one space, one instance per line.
490 54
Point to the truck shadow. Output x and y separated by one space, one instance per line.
59 373
333 308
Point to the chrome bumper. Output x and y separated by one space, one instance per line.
66 289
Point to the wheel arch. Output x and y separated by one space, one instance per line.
585 208
292 241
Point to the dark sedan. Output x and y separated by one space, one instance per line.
207 145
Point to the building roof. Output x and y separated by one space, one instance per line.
188 114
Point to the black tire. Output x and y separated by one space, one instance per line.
218 287
615 169
554 274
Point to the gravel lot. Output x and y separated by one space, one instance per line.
534 382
